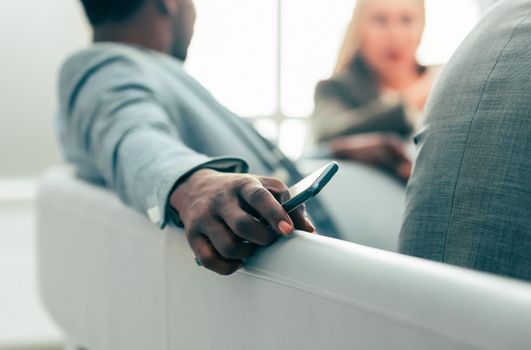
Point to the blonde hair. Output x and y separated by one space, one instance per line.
352 41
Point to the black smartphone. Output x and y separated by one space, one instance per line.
310 186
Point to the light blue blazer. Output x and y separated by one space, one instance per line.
133 120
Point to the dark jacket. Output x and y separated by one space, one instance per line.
350 103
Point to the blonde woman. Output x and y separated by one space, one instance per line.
378 90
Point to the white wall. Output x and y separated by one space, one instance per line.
35 36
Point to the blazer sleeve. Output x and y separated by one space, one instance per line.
125 132
337 114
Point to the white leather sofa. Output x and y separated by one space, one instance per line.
113 281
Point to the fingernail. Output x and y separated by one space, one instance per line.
285 228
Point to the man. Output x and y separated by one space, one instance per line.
133 120
469 200
130 119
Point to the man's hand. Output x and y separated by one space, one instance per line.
384 150
220 214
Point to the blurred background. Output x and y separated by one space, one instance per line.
261 58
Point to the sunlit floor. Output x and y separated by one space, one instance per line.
24 323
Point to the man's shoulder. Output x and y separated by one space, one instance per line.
116 60
466 193
105 64
102 54
99 68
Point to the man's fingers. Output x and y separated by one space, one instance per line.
276 186
247 227
264 203
210 258
226 243
301 220
299 216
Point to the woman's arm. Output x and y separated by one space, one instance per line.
336 114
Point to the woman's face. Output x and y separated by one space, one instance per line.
391 31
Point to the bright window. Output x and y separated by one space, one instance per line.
234 53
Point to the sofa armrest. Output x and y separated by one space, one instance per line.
114 281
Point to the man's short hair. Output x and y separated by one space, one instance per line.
100 11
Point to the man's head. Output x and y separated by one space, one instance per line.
162 25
